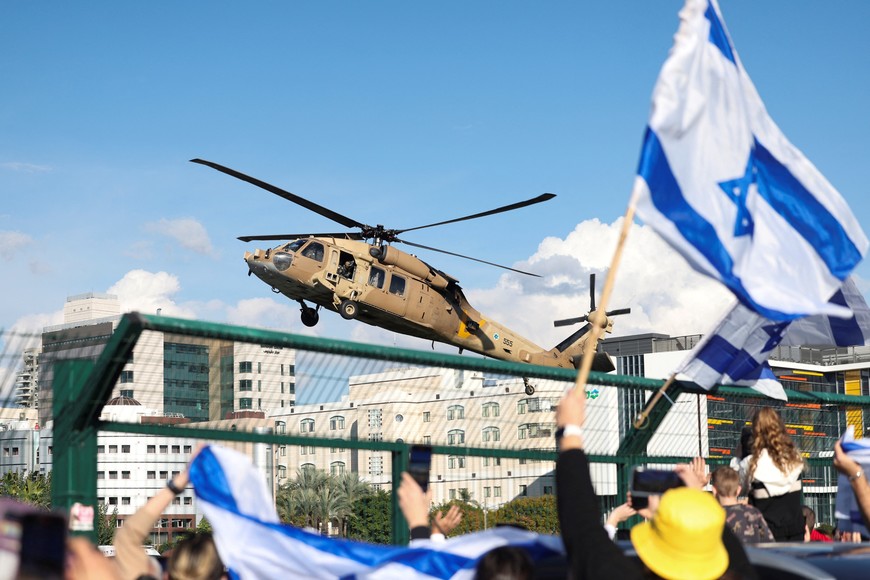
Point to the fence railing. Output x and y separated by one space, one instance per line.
295 402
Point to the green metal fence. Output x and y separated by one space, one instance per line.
489 434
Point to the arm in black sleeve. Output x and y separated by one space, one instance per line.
591 553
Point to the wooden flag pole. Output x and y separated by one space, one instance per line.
589 353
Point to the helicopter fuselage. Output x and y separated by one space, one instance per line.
394 290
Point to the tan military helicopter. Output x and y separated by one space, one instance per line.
361 276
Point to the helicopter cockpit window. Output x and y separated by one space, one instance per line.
294 245
376 277
314 250
397 285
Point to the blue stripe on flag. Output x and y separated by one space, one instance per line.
803 212
846 331
718 36
210 482
723 357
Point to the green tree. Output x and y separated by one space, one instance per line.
31 488
536 514
371 520
106 524
351 488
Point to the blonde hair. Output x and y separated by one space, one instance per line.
769 433
195 558
726 481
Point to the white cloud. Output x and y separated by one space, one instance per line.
265 313
11 242
665 295
143 291
188 232
25 167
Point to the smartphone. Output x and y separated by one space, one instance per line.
43 545
647 482
419 464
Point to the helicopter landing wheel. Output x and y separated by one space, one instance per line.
530 388
348 309
310 316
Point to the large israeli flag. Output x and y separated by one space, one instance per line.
254 544
823 330
735 352
721 183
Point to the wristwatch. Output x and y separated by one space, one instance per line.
857 475
569 430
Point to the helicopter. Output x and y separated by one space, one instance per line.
363 276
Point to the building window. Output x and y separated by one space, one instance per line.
455 461
376 436
451 494
112 449
455 412
125 449
307 467
100 449
427 439
113 501
282 472
490 410
125 501
496 491
101 475
375 418
164 449
487 461
280 427
282 451
524 489
336 422
336 467
126 377
152 475
127 393
490 434
535 430
113 475
456 437
306 426
151 449
125 475
246 403
188 448
487 492
176 448
188 501
246 385
427 416
536 405
376 465
164 475
246 367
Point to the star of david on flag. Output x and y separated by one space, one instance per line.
719 181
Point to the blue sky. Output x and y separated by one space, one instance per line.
401 113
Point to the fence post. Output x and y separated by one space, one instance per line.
401 535
74 450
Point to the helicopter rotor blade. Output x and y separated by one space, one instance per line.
310 205
288 237
618 311
467 257
591 291
569 321
513 206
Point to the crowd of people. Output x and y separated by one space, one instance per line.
694 531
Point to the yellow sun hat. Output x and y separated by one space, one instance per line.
683 541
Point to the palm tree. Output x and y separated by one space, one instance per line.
351 487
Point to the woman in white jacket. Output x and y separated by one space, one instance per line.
772 476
